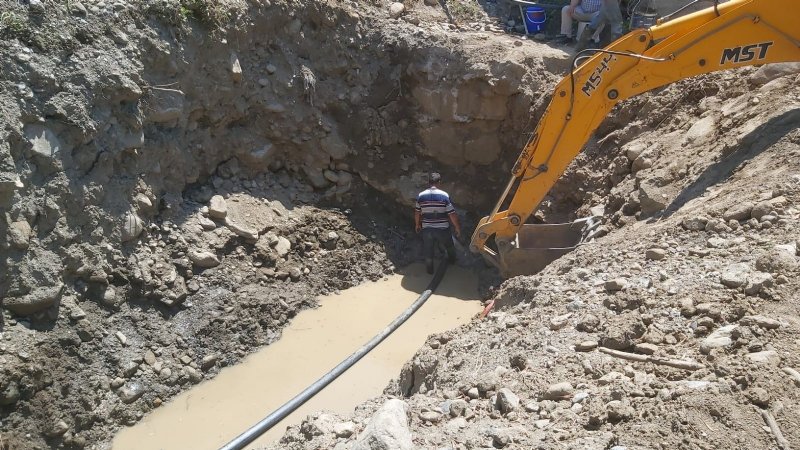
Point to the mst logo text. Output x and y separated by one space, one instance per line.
746 53
597 76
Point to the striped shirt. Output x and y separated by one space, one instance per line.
434 205
591 6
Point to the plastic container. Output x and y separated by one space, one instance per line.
535 18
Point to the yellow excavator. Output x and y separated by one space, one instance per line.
728 35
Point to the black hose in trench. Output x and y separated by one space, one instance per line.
279 414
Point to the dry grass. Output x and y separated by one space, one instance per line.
465 10
214 14
12 23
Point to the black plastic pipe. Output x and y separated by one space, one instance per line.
279 414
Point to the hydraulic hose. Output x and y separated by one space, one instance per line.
279 414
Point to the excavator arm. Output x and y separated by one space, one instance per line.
729 35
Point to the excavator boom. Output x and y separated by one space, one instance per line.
729 35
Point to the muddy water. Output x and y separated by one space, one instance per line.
212 413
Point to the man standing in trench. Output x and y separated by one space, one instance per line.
433 216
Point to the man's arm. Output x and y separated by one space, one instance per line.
417 220
572 5
456 225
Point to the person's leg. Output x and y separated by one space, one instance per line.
566 19
596 21
445 239
428 239
581 16
566 22
612 17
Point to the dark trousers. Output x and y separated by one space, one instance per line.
435 237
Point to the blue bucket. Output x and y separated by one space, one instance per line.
534 19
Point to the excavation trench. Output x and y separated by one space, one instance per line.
159 189
210 414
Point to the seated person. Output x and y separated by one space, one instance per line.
579 10
609 16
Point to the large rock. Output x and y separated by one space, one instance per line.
655 254
701 130
735 275
757 281
204 259
217 208
19 234
720 338
761 321
769 72
388 429
334 146
9 393
777 261
761 209
165 105
740 211
315 177
283 246
249 234
132 227
396 10
558 391
616 284
44 142
507 401
695 223
38 300
651 198
131 392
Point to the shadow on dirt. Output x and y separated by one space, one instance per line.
459 282
757 141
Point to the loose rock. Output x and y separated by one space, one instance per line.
735 275
131 392
19 234
721 337
217 208
617 284
204 259
506 401
396 10
132 227
655 254
586 346
558 391
740 211
388 429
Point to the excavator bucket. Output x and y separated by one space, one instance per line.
536 246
